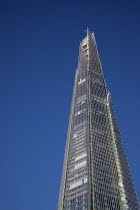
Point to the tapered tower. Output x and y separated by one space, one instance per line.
95 173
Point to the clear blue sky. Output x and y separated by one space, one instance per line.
39 43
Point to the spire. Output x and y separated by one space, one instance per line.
89 34
88 31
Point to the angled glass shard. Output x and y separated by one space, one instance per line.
96 174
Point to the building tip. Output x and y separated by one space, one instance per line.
87 30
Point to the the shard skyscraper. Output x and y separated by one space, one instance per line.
95 174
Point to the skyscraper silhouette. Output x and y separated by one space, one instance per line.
95 174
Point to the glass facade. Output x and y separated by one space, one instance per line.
95 173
